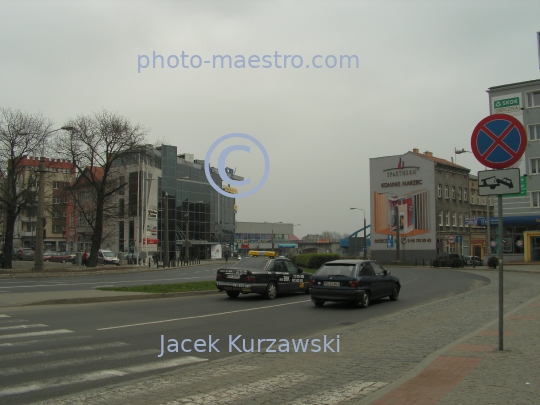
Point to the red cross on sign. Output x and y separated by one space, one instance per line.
498 141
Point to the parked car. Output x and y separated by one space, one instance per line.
23 254
60 257
355 281
130 258
106 257
469 261
47 255
445 260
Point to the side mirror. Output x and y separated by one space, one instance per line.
386 272
300 271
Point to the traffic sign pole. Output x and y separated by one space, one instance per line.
501 285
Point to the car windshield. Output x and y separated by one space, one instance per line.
108 254
336 270
253 263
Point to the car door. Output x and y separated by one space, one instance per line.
297 277
283 276
385 283
368 278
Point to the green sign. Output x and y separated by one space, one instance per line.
506 105
522 186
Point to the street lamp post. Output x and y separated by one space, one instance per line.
365 238
273 223
166 230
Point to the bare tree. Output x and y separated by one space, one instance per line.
98 146
21 135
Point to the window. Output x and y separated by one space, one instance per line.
55 214
461 220
533 99
459 193
439 190
454 219
56 185
446 193
56 200
55 229
63 214
441 219
535 198
535 166
464 194
121 205
447 218
534 132
453 193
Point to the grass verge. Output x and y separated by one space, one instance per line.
166 288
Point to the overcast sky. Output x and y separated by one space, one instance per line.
423 70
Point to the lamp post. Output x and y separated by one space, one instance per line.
273 223
166 230
365 238
40 222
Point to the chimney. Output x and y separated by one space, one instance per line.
416 150
429 154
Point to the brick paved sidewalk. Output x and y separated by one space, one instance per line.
439 353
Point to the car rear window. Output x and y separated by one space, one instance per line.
251 263
336 270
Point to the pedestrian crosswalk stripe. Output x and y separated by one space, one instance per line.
56 339
38 325
336 395
241 391
75 362
65 350
95 376
45 332
4 316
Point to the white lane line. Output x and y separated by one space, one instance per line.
242 391
52 352
75 362
95 376
5 316
46 332
340 394
201 316
38 325
97 283
56 339
5 321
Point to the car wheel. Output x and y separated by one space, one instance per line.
233 294
271 291
318 303
395 293
365 301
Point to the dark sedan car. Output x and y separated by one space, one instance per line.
355 281
262 273
60 257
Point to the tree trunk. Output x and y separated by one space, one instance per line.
8 239
98 231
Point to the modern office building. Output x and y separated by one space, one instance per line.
422 198
521 213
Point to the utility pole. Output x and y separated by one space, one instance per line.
40 223
166 230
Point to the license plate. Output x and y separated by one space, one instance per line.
236 276
331 283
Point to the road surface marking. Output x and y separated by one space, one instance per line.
95 376
76 362
51 352
46 332
242 391
38 325
201 316
5 316
56 339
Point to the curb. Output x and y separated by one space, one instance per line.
147 296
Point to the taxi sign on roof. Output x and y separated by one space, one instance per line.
253 253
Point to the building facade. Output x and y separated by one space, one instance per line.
521 213
419 206
278 237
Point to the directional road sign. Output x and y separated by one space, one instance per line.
451 239
499 182
459 239
498 141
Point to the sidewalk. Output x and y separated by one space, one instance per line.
443 353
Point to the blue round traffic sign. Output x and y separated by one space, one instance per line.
498 141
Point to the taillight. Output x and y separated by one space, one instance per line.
312 282
219 276
353 283
250 279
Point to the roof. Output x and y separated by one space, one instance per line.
439 160
510 85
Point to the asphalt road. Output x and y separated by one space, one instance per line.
93 345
